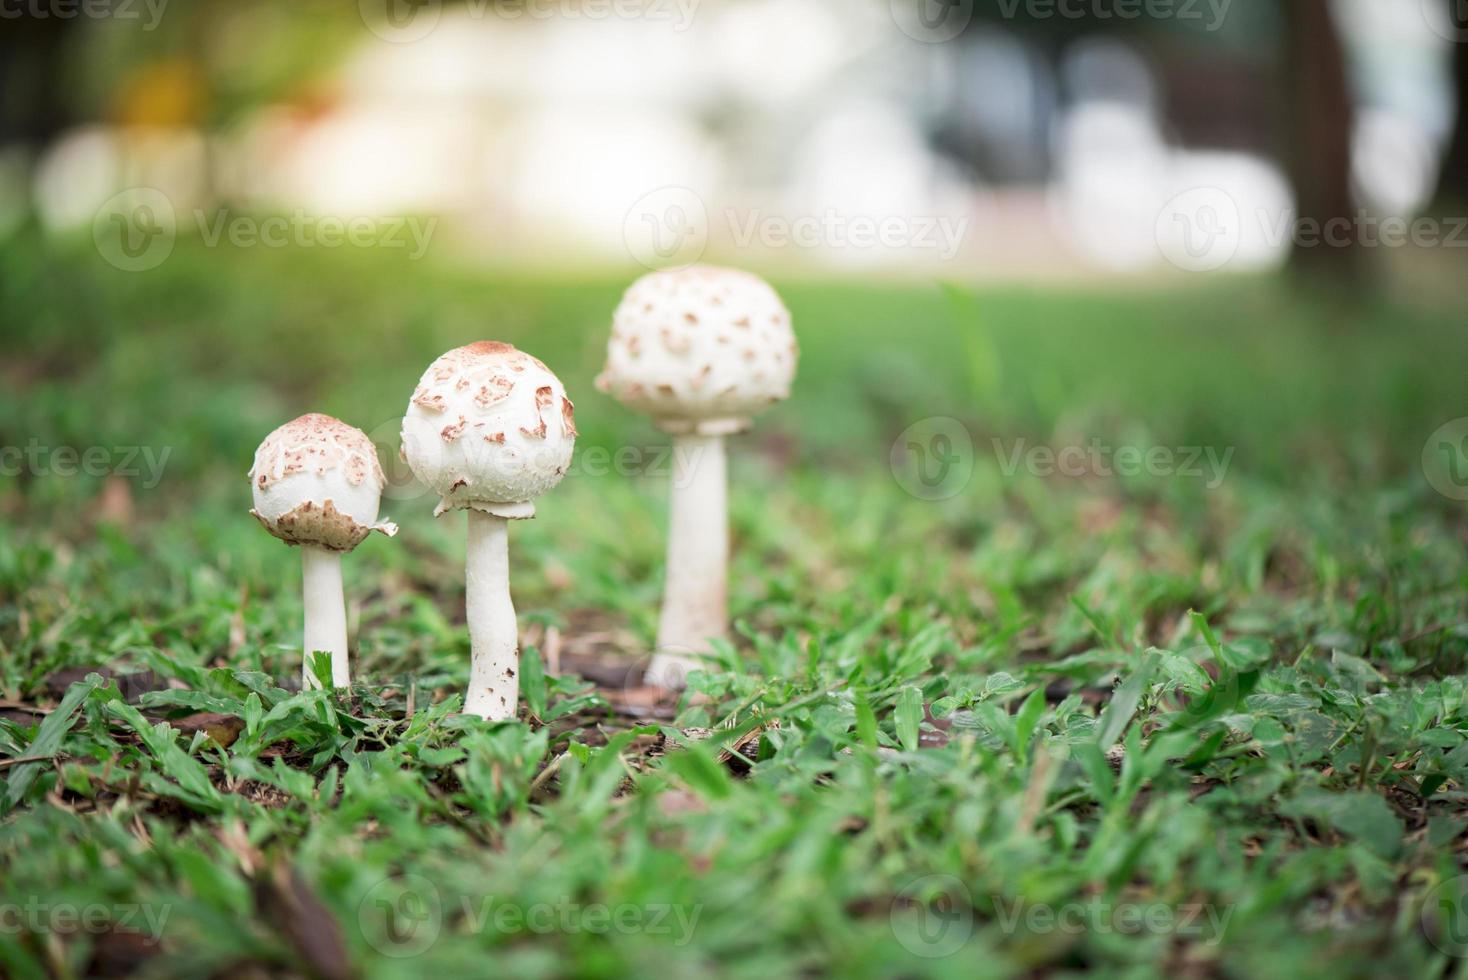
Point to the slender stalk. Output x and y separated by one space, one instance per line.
326 614
695 607
494 677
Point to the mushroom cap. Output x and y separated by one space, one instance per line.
700 349
489 427
317 481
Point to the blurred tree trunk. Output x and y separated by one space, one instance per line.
1320 154
32 84
1452 188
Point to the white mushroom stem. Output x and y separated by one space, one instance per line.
326 614
494 674
695 608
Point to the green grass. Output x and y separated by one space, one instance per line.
1134 724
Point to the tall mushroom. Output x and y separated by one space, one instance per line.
317 483
701 350
489 429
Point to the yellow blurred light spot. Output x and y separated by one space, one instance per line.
161 93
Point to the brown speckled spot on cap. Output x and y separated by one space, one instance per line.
324 526
568 417
544 395
493 391
430 400
453 430
484 348
356 470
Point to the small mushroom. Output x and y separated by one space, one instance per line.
670 357
317 483
510 441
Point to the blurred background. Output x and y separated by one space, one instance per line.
1202 223
1004 139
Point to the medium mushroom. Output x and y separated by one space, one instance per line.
489 429
317 483
701 350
